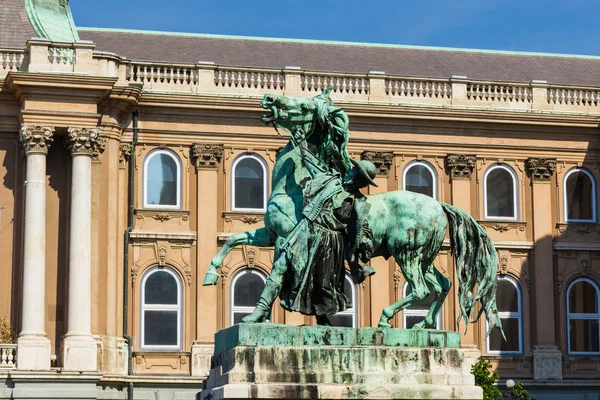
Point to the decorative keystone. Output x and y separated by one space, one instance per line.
85 141
207 156
36 138
382 160
540 169
460 165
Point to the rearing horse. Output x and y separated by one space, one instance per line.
407 226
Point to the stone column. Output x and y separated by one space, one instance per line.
33 345
547 358
207 158
381 282
79 347
460 168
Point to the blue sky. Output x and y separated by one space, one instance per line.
555 26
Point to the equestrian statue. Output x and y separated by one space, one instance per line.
317 219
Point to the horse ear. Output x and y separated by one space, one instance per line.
327 91
322 109
333 110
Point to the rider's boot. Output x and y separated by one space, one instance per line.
262 312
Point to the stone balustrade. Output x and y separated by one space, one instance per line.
8 356
44 56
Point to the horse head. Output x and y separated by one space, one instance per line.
315 120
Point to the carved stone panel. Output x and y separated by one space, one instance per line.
460 166
207 156
382 160
540 169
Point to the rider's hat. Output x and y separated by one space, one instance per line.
367 169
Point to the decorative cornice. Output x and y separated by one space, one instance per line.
460 165
540 169
36 138
124 153
207 156
383 160
85 141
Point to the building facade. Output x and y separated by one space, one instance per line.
128 159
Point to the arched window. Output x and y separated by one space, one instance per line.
161 309
420 177
579 196
500 193
510 311
249 183
162 180
416 313
349 317
246 287
583 317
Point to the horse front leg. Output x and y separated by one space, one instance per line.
258 237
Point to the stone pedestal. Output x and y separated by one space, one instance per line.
271 361
547 363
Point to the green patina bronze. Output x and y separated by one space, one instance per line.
316 218
52 19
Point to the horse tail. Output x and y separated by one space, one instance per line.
476 264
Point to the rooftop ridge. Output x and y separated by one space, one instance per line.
342 43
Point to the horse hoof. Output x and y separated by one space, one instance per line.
384 324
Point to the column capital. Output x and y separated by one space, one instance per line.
36 138
460 165
85 141
124 153
382 159
540 169
207 156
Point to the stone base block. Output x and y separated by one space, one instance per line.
33 353
79 353
201 356
338 363
547 363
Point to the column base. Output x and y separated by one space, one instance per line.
33 352
79 353
201 355
547 363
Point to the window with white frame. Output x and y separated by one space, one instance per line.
583 317
500 193
348 317
510 311
579 196
417 312
249 183
161 309
246 288
420 177
162 180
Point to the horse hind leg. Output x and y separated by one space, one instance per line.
410 265
441 285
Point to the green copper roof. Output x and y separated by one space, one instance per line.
337 43
52 20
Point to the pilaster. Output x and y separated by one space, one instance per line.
207 159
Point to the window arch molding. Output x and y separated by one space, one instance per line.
428 167
586 316
235 309
173 200
245 157
593 196
167 309
514 215
421 312
509 315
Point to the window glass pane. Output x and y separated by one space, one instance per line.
412 320
348 292
510 326
161 288
500 193
160 328
249 184
583 298
341 320
247 290
584 335
419 180
161 180
506 296
579 196
422 305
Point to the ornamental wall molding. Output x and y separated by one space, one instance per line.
460 166
36 138
206 156
540 169
382 159
85 141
